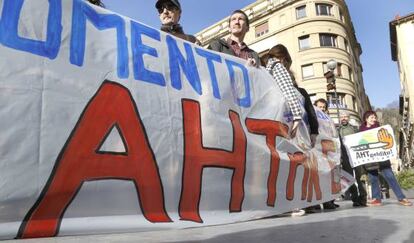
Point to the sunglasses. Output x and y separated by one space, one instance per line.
168 6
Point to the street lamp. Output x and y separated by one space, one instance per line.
331 64
330 77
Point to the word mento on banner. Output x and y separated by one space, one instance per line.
375 145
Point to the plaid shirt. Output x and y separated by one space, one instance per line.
242 51
284 81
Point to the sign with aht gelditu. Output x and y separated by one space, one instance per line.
375 145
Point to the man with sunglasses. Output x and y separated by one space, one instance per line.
234 45
170 14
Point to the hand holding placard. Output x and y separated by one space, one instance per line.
385 137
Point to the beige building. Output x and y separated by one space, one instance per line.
402 50
314 31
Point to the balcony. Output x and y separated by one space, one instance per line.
340 106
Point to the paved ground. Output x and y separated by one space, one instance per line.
389 223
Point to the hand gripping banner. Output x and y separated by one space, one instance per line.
108 125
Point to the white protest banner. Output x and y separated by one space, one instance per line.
109 125
375 145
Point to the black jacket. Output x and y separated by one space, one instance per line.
177 31
312 118
222 46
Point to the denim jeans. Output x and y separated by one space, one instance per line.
391 180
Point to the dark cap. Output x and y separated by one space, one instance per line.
159 3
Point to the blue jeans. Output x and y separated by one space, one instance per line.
391 180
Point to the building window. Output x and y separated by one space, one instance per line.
325 67
304 42
341 16
351 76
262 29
301 12
333 102
323 9
355 104
307 71
346 45
328 40
339 69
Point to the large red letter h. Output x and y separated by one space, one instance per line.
197 158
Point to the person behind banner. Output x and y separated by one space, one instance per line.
322 104
234 45
170 13
358 194
278 61
370 122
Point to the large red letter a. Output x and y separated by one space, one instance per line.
80 161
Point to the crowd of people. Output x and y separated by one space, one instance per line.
277 62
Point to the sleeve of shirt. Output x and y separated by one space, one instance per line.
283 79
214 45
